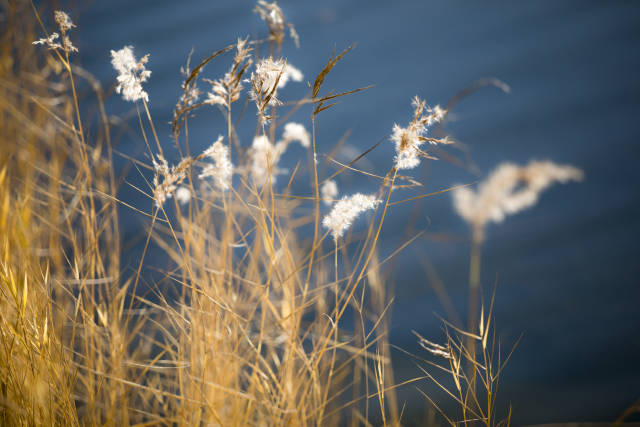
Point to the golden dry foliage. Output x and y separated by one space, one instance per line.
60 324
245 326
473 363
255 338
243 329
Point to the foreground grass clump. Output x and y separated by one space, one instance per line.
246 326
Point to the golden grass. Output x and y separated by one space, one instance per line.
244 328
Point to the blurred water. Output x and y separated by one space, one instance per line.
567 270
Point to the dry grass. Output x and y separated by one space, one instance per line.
250 333
245 328
59 233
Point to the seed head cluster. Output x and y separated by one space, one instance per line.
190 91
269 76
167 179
221 169
273 16
346 210
264 160
131 74
329 191
63 20
409 140
509 189
65 24
227 90
183 195
266 155
296 132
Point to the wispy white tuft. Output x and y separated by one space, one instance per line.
329 192
190 91
407 143
265 155
294 35
269 76
50 41
222 169
218 93
509 189
265 79
227 90
296 132
346 210
290 73
183 195
409 140
167 179
65 24
264 160
433 348
63 20
273 16
131 75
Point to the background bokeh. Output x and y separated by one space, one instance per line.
566 271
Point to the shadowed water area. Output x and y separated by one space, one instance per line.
566 270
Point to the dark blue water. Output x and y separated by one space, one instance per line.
567 270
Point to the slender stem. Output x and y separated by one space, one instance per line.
335 265
474 278
474 301
316 193
229 123
153 128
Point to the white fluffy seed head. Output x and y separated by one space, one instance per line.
407 143
190 96
264 80
227 90
329 192
408 140
264 160
290 73
346 210
269 76
273 16
296 132
65 24
183 195
190 91
63 20
221 170
167 179
218 94
50 41
265 155
509 189
131 74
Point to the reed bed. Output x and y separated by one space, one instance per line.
248 324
